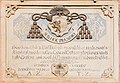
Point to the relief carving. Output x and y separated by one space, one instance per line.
108 73
11 9
61 27
59 69
11 73
107 11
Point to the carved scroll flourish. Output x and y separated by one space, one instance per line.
11 73
107 11
11 10
108 73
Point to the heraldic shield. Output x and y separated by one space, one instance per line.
60 26
59 69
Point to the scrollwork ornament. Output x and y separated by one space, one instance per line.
108 73
11 73
107 11
11 9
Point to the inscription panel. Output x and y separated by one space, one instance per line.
40 49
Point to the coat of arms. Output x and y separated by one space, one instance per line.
59 69
60 27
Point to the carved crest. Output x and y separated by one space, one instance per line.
60 26
59 69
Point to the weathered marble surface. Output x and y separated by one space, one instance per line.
52 82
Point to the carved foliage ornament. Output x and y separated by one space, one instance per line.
11 10
107 11
11 73
60 27
108 73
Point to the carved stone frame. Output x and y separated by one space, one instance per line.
12 7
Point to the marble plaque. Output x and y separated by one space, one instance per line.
59 41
